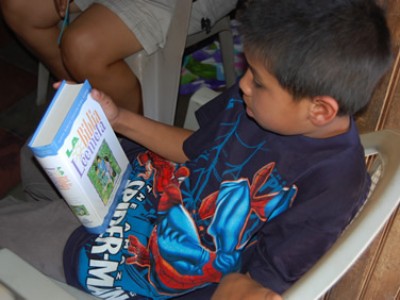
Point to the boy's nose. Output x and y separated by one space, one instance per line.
245 83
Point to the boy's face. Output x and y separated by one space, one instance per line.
271 106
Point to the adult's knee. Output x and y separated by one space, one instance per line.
81 56
14 11
24 15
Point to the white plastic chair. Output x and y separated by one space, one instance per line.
383 200
159 73
20 278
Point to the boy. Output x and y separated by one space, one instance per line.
265 186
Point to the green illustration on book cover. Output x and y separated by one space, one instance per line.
80 210
104 171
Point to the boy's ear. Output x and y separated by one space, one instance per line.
323 110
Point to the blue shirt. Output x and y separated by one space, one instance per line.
247 200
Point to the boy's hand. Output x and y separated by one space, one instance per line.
110 109
61 6
242 287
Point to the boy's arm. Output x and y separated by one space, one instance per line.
238 286
165 140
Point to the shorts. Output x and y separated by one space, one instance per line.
37 225
37 232
148 19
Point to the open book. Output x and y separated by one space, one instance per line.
77 147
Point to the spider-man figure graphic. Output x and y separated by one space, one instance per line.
176 255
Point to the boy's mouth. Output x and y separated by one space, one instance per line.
249 111
246 103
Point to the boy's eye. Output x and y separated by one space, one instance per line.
257 84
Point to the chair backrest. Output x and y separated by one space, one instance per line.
383 199
159 73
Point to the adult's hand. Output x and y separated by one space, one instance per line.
61 6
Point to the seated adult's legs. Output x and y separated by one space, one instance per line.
35 22
94 47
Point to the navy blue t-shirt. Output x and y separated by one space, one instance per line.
247 200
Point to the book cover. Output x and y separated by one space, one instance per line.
77 147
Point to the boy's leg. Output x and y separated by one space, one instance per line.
37 228
37 232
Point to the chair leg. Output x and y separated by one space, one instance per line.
42 85
226 42
225 37
227 51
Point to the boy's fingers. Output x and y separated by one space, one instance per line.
101 97
56 85
96 94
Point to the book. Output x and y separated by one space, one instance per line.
80 152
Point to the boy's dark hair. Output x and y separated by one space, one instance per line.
338 48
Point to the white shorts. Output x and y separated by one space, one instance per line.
148 19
